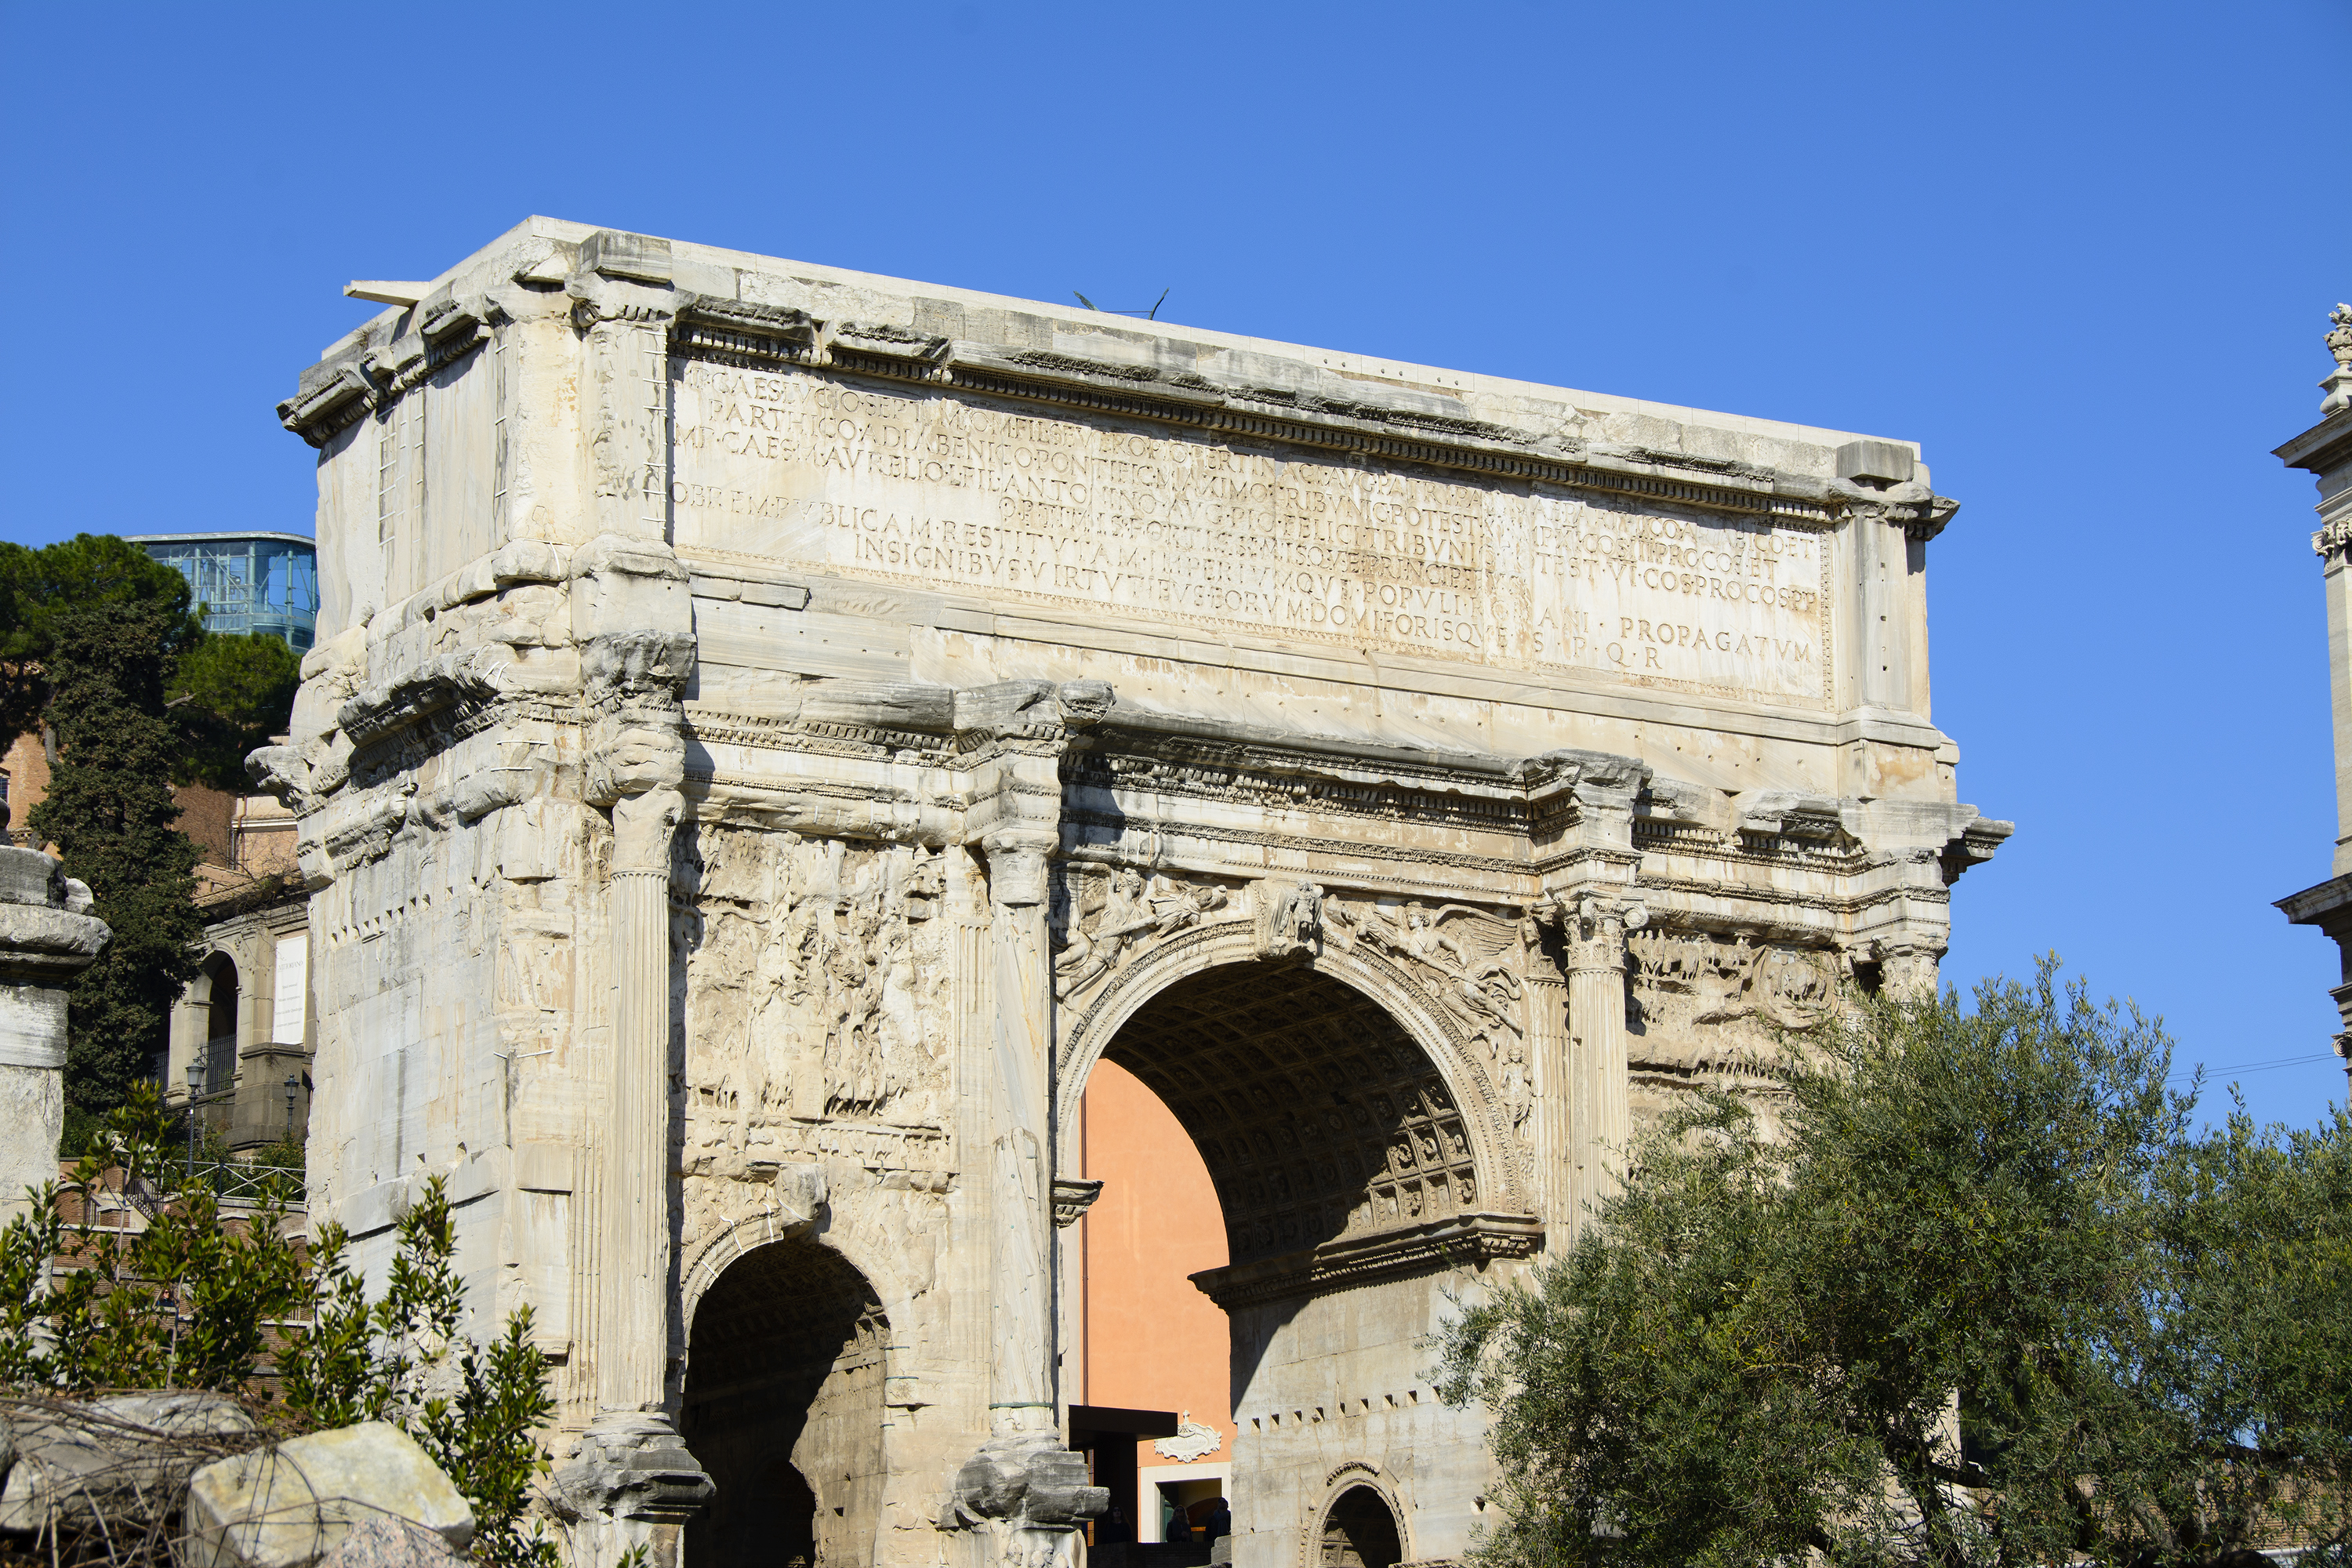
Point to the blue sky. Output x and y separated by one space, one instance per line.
2083 252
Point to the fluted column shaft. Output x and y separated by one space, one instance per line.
632 1285
1021 1297
1596 1033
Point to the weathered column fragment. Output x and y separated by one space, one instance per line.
46 937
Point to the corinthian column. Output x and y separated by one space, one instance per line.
631 1481
1021 1227
1023 1494
1595 943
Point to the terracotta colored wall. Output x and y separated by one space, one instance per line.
1152 1341
205 815
29 779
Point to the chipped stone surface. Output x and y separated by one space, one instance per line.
291 1503
773 730
390 1543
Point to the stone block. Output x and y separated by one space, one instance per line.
390 1543
291 1504
1888 461
67 1462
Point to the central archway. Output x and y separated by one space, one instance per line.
1317 1115
1353 1147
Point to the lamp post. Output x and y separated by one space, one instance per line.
195 1078
293 1083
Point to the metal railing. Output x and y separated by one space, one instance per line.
236 1182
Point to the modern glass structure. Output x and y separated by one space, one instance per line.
247 582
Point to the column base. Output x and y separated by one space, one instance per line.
633 1465
1020 1480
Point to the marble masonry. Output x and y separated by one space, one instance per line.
773 730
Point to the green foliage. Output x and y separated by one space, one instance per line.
1986 1300
181 1301
231 693
110 812
190 1302
474 1408
288 1154
100 649
89 571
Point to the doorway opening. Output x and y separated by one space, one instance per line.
1361 1531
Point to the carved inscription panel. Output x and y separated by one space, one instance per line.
1117 519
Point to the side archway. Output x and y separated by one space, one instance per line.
783 1405
1359 1526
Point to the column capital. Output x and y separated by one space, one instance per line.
642 828
1017 862
1592 926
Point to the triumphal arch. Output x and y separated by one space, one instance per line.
775 730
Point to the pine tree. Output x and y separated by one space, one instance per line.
109 811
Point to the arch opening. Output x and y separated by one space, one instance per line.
219 1050
1359 1530
783 1406
1317 1114
1341 1170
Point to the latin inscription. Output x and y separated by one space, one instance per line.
1126 523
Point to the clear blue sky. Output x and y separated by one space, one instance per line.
2083 252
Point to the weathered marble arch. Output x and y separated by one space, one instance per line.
775 730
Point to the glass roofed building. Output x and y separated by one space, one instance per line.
247 582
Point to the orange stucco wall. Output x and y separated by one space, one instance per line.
29 779
1152 1341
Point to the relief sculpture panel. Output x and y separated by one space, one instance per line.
1700 1004
816 978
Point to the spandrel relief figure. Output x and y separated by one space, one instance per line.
1112 915
1518 1094
1469 959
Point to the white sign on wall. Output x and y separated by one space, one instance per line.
290 999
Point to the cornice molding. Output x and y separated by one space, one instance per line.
1457 1242
752 336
